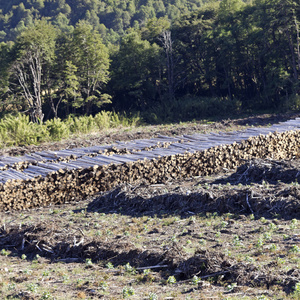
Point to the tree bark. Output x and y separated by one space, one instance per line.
168 47
29 73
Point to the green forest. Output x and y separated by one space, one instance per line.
171 60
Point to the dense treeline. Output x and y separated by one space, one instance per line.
222 57
226 56
110 18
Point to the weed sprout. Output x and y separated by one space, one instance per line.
202 242
196 280
295 249
267 236
4 252
263 220
294 224
262 297
260 242
223 224
109 265
46 295
11 286
146 272
127 292
249 259
297 289
32 287
129 269
272 226
152 296
231 287
103 285
171 280
236 241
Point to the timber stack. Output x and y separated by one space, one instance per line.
49 177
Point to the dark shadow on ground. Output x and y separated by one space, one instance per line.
273 201
266 119
264 171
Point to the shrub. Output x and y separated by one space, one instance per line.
18 130
21 131
57 129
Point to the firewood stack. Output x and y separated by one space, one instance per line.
45 182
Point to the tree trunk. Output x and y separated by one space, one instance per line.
29 74
168 47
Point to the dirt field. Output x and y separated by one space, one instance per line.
234 235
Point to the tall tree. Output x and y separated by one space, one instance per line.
136 73
91 59
33 50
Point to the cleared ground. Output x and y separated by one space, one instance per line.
234 235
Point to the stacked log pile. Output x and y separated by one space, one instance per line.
60 182
67 155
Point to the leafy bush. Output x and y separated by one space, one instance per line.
57 129
19 130
103 119
108 119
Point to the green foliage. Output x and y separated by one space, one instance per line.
32 287
72 84
129 269
127 292
19 130
171 280
82 124
108 119
88 69
4 252
195 280
136 72
57 129
109 265
190 108
46 295
221 56
32 54
110 18
297 289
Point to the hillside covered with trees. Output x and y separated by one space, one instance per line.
110 18
166 59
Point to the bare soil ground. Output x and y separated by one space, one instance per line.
234 235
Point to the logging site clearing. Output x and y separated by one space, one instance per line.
230 233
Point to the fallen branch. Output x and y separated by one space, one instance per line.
153 267
247 200
213 274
